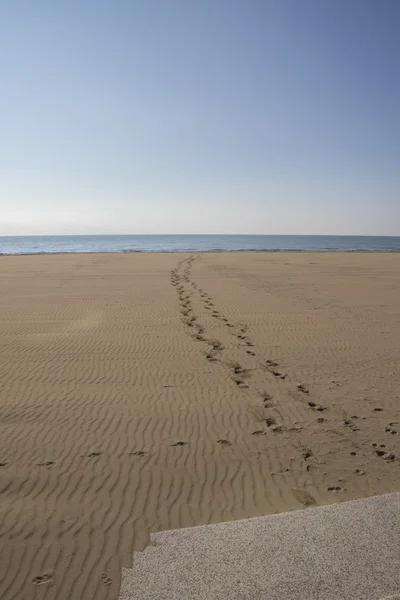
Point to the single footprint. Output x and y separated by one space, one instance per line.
276 428
302 388
272 426
304 497
41 579
224 442
258 432
179 444
352 425
49 463
240 383
106 579
390 430
267 400
92 454
271 363
335 488
3 464
217 345
378 409
250 352
307 453
385 455
138 453
315 406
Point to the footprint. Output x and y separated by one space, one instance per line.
41 579
278 374
224 442
106 579
258 432
307 453
302 388
138 453
179 444
3 464
335 488
272 426
385 455
304 497
240 383
272 363
276 428
359 472
49 463
378 409
217 345
239 370
267 400
250 352
352 425
92 454
315 406
390 430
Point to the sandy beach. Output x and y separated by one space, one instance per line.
145 392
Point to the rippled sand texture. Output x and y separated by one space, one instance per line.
142 392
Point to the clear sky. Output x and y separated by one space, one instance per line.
200 116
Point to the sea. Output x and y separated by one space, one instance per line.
190 243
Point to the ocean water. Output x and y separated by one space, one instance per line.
182 243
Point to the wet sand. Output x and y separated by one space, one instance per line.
144 392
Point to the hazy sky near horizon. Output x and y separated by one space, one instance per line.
200 116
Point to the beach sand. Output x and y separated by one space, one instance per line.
144 392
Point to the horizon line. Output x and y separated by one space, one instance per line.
202 234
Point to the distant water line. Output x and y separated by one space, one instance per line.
191 243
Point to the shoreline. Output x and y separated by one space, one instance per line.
214 251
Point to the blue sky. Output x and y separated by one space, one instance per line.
200 116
